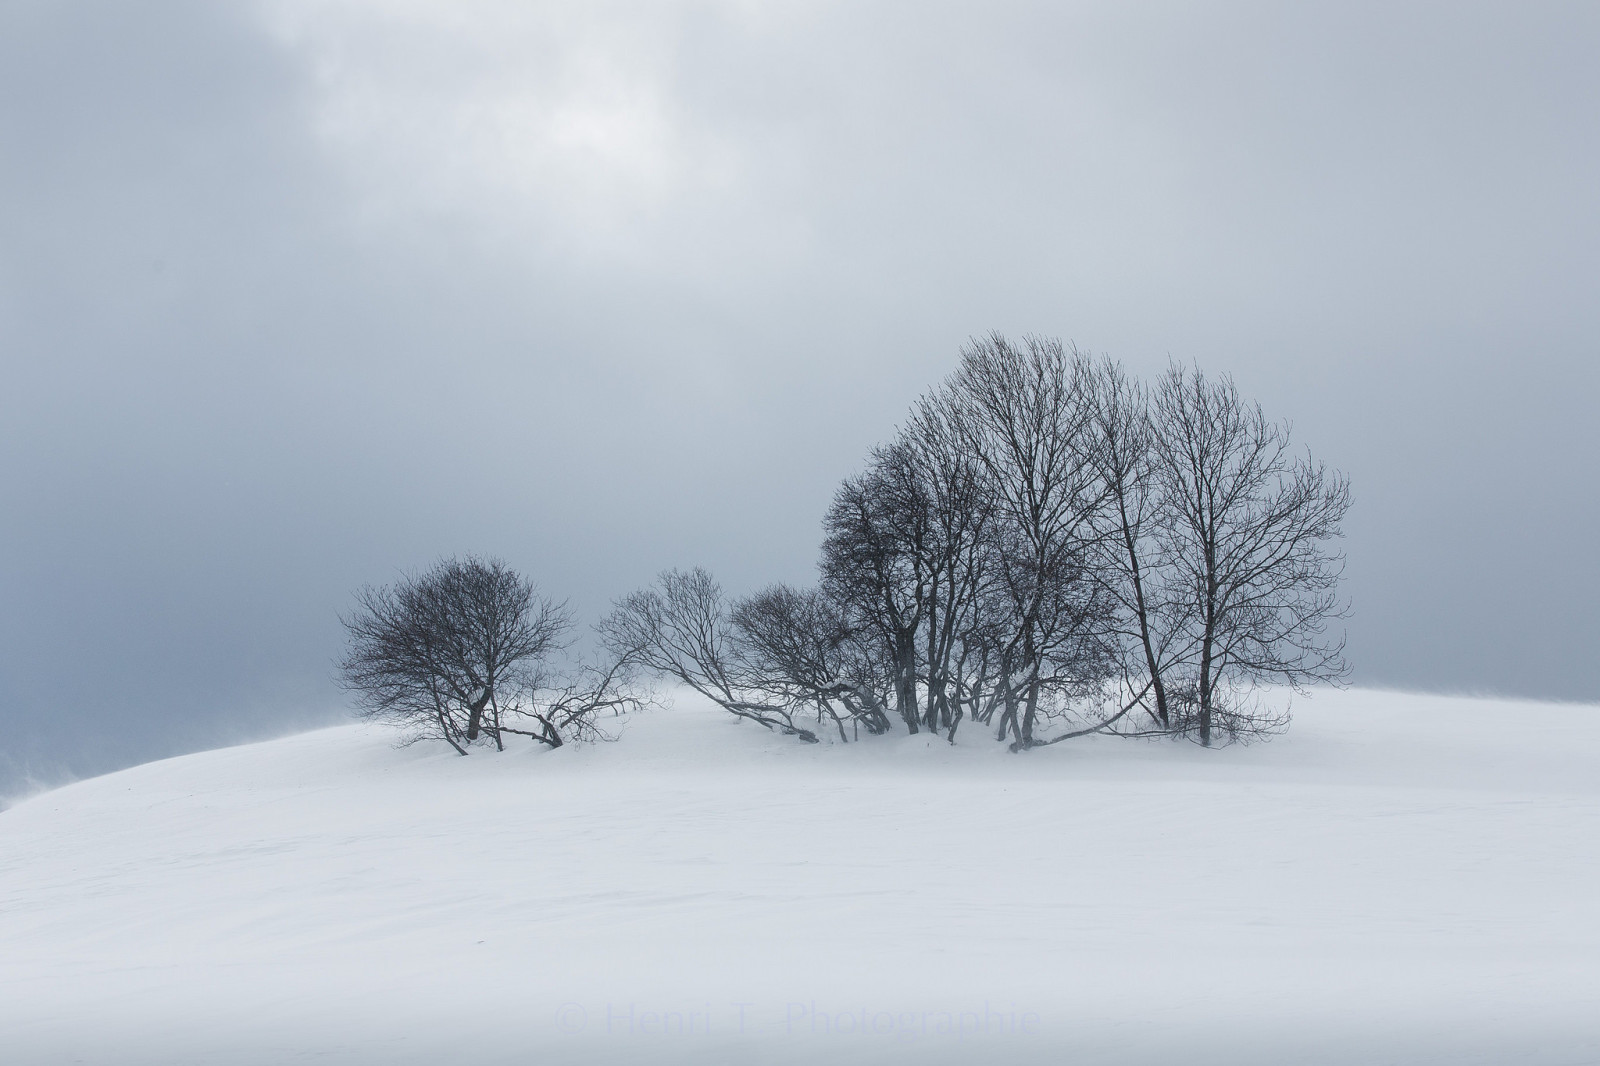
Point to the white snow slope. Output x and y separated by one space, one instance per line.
1400 879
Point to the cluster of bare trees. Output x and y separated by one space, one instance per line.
470 651
1048 548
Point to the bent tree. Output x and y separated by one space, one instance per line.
683 629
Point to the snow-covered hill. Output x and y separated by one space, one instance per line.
1400 879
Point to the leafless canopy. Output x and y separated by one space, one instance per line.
682 628
464 652
1244 526
1048 548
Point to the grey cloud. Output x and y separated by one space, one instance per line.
254 356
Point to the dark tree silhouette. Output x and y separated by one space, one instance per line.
1245 523
682 629
1026 413
462 651
1045 547
1129 563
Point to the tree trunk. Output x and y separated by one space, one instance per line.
1208 642
906 680
1143 610
444 731
1030 713
1008 716
475 716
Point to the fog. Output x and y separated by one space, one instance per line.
299 295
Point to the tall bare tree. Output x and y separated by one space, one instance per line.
877 564
959 548
1247 524
1026 413
1129 562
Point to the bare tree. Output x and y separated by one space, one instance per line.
1045 547
1129 563
1245 523
905 560
959 548
556 706
682 629
1027 414
462 651
876 562
799 648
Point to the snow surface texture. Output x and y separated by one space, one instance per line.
1401 879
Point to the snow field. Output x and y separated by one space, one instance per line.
1401 878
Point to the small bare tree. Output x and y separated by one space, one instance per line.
1245 523
557 708
463 651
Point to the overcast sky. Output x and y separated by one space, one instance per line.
298 294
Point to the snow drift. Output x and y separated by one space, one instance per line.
1400 879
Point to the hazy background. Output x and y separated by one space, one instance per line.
295 295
